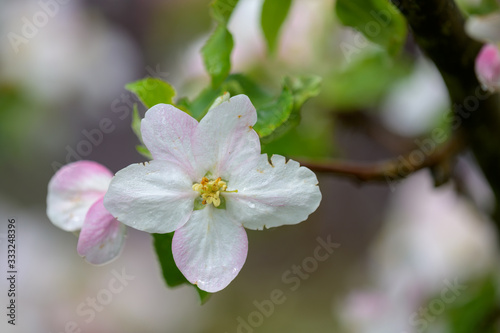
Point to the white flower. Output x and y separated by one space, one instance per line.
423 96
59 61
208 181
431 236
75 204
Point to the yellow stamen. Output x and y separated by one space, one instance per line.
210 190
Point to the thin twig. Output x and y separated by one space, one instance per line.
393 169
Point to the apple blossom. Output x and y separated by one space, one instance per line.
207 182
432 239
49 65
75 203
416 239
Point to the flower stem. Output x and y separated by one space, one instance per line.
392 169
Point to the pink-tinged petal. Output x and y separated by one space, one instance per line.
152 197
72 190
225 140
488 67
102 236
271 195
210 249
167 132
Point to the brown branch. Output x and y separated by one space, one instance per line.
393 169
438 28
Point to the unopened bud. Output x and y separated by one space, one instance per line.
488 67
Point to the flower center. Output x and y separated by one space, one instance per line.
210 190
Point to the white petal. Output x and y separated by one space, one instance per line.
102 236
167 132
210 249
484 28
73 190
273 195
153 197
225 140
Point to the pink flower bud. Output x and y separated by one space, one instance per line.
488 67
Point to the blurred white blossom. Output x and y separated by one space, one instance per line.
416 103
484 28
431 237
72 55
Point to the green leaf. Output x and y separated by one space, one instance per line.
217 50
221 10
272 111
378 20
152 91
163 246
136 123
200 105
172 275
272 115
217 54
482 7
303 88
475 308
237 84
136 128
299 142
14 108
274 13
144 151
203 295
276 114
